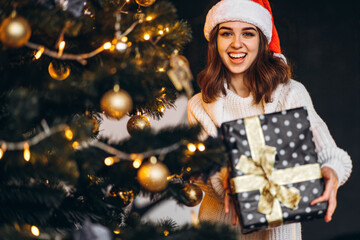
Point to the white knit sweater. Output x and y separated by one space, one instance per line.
231 107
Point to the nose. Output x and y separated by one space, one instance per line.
237 42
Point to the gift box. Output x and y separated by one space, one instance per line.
274 170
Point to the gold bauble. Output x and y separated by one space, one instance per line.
145 3
59 70
153 177
15 32
115 104
192 194
137 123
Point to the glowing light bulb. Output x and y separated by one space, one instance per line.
124 39
147 36
39 53
166 233
201 147
161 69
61 48
116 87
149 18
109 161
2 149
191 147
153 160
26 152
35 231
121 46
75 145
107 45
137 163
161 32
69 134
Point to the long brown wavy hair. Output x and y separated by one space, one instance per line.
263 76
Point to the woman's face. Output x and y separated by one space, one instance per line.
238 46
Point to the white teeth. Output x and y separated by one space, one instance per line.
237 55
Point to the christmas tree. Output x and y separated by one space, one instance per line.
63 65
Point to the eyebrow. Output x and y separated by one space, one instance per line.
243 29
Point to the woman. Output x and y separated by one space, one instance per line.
247 75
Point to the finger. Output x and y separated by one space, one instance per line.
331 208
325 196
226 181
227 202
234 215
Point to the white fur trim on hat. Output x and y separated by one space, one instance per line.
239 10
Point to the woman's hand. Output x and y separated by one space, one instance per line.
228 203
331 187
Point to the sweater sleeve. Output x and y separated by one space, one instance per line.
329 154
197 115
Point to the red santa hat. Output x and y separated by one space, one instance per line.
255 12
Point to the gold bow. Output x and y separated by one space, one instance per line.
260 175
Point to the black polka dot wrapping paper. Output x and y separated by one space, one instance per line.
274 169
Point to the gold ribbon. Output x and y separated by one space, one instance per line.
260 176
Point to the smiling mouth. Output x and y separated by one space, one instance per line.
237 55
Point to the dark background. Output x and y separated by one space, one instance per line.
320 40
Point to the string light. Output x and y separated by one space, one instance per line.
81 58
116 87
26 152
161 32
121 46
69 134
124 39
117 231
109 161
2 150
191 147
149 18
35 231
153 160
137 163
39 53
161 69
201 147
107 45
75 145
135 157
147 36
166 233
61 48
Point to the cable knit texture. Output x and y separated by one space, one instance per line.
231 107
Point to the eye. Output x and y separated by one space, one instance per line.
249 34
225 33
